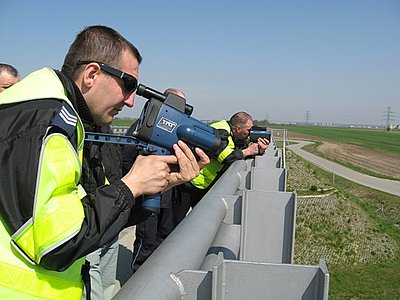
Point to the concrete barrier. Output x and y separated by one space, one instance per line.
237 243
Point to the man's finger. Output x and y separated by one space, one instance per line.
204 159
186 150
168 159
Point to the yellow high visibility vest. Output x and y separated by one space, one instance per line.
58 212
210 172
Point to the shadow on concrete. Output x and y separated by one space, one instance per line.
124 270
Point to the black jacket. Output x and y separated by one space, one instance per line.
106 207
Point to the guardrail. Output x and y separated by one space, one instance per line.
237 243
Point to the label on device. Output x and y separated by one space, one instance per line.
166 124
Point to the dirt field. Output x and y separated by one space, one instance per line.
385 164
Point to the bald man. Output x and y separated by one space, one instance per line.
8 76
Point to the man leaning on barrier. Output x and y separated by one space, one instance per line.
237 130
49 222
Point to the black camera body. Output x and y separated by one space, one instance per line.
257 132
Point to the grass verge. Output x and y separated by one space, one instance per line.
356 231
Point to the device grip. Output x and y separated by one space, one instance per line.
151 203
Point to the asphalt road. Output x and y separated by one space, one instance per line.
385 185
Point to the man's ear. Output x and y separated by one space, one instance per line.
90 73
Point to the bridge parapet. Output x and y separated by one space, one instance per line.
237 243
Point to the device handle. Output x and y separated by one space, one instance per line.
151 203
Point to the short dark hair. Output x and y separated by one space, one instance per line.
9 69
97 43
240 118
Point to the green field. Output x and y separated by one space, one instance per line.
377 139
122 122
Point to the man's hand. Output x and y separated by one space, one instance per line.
189 167
251 150
149 174
262 145
152 174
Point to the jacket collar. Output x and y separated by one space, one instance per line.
77 99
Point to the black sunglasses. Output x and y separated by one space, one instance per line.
130 82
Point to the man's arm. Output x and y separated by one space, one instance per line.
106 216
103 219
66 224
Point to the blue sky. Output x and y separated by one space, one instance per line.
337 60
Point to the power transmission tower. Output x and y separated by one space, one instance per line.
308 117
389 116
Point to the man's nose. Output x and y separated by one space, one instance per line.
130 100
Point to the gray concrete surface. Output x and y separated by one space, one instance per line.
385 185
